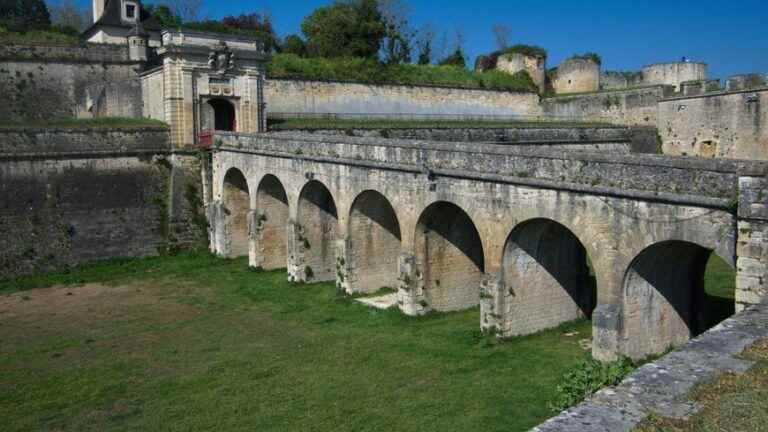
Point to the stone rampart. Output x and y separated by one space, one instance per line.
631 107
49 81
319 97
72 196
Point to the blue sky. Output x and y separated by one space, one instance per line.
731 36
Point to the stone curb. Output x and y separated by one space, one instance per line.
662 386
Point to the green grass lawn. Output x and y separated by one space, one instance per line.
199 343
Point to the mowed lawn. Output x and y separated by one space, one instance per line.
195 342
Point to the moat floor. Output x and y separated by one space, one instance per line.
198 343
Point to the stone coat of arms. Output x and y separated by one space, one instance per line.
221 60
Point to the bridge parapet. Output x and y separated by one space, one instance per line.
711 182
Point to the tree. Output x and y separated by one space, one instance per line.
345 29
399 34
187 10
164 15
502 34
424 43
23 15
68 15
457 58
294 44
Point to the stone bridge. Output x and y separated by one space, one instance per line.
535 237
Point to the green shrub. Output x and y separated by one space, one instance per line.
588 56
374 72
586 378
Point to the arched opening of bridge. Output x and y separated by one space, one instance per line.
318 227
374 234
271 220
546 277
449 255
223 115
237 204
673 291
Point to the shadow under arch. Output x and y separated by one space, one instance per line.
375 240
272 222
318 222
546 277
237 203
449 255
664 297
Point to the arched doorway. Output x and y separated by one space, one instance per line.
272 205
222 115
318 221
237 204
374 235
449 254
546 277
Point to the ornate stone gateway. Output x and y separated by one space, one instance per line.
208 83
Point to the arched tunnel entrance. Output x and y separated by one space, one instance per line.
671 296
374 234
546 277
272 220
318 219
237 204
449 254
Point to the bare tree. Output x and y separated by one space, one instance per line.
502 34
69 14
188 10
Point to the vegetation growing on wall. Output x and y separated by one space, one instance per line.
75 123
374 72
588 56
487 62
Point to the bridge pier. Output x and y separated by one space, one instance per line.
752 241
410 290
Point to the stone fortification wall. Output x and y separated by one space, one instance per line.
48 81
577 75
319 97
73 196
674 73
721 124
714 180
516 62
116 99
631 107
614 139
611 80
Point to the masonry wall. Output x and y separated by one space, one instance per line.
317 97
73 196
728 125
55 77
577 75
116 99
632 107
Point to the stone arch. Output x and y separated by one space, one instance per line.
237 204
545 277
374 243
449 256
271 223
317 220
663 297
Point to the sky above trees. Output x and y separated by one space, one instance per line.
730 36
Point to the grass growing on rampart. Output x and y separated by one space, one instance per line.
373 72
75 123
38 37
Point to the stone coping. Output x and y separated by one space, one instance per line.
662 387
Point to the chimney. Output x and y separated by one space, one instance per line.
98 9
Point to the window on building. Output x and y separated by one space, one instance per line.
130 11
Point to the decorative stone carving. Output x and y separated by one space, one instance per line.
222 59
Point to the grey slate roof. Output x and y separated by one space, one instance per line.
112 17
